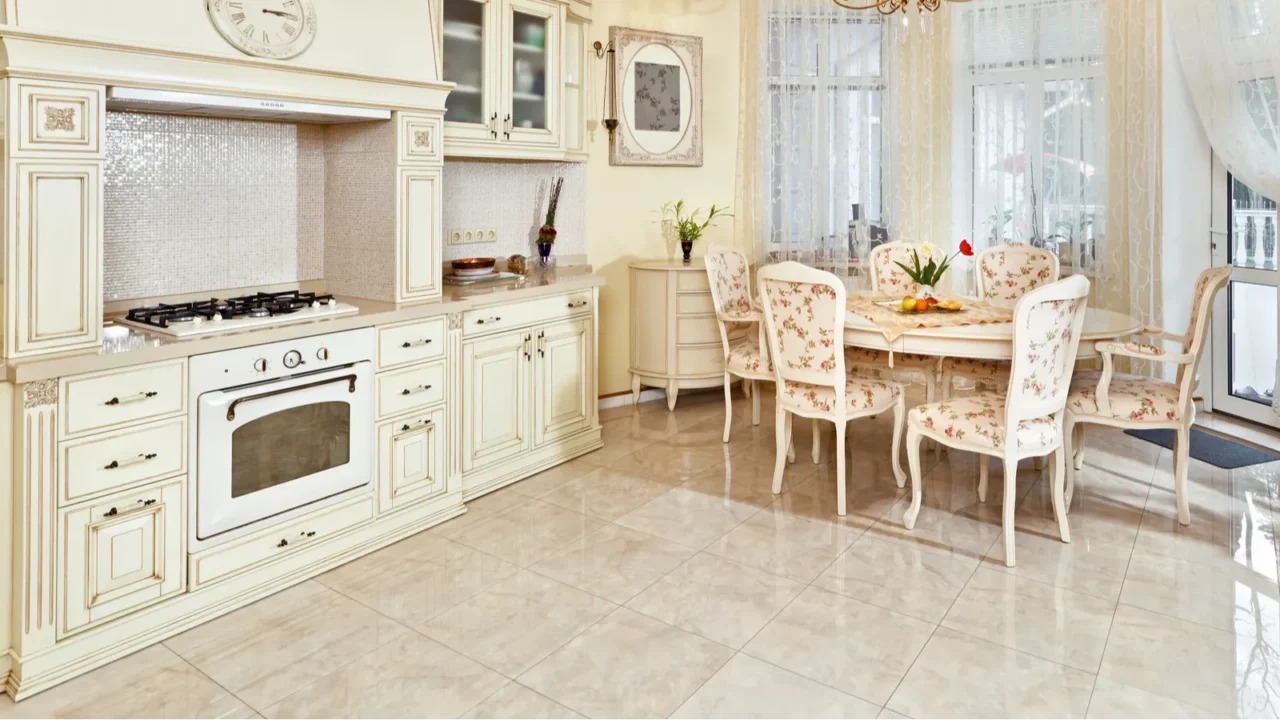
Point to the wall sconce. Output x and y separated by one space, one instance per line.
610 111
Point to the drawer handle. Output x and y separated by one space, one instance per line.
577 304
139 397
415 390
302 536
482 321
142 505
410 426
416 343
114 464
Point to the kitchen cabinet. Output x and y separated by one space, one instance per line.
410 459
496 380
420 235
562 406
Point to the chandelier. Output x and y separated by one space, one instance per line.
889 7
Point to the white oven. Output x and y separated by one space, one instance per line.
280 429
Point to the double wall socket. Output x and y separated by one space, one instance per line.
464 237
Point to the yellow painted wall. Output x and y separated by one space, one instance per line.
623 203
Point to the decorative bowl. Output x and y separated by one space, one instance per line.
473 267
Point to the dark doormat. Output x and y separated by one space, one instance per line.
1208 447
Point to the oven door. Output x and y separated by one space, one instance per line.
272 447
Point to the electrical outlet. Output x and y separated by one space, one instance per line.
472 235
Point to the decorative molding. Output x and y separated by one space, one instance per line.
455 321
422 139
40 392
60 119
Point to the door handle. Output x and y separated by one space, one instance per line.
349 379
138 507
507 125
542 343
493 125
414 425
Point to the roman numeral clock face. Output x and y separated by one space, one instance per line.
276 29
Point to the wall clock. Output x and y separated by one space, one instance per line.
275 29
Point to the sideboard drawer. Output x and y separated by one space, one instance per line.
695 304
279 541
415 387
702 360
692 281
697 330
114 461
411 342
531 312
120 398
58 117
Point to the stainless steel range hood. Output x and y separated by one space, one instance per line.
227 106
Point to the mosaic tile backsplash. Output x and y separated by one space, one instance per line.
196 204
511 198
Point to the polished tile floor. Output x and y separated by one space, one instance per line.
660 577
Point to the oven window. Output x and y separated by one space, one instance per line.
288 445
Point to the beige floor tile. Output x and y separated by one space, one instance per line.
747 481
554 478
1221 595
717 599
887 714
411 582
749 688
1231 519
518 701
278 645
1113 700
517 622
479 510
1089 567
867 501
784 544
962 676
614 562
671 465
846 644
412 676
688 516
1106 508
627 665
1227 674
606 493
650 424
529 532
1049 622
941 529
910 578
153 682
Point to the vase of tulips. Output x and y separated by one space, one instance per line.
927 274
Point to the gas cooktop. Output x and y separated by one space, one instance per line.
238 313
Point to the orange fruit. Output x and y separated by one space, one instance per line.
922 305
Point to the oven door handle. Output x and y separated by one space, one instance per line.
349 379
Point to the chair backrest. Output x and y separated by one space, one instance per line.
886 277
1046 335
1007 272
804 311
729 275
1210 282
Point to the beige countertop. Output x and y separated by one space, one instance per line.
124 346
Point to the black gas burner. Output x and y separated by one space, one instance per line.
256 305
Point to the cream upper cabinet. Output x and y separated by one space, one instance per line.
532 72
577 60
469 41
562 402
419 227
496 375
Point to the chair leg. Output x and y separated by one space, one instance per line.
899 419
1077 442
1071 434
755 401
817 441
913 462
1037 463
1010 502
1182 459
1059 471
728 405
746 387
780 460
841 487
984 471
791 446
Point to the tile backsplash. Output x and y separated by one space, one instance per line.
511 198
195 204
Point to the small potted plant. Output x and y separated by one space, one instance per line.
687 227
928 275
547 233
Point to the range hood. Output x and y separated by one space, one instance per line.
226 106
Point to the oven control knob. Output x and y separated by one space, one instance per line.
260 364
292 359
322 354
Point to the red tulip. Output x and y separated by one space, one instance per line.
966 249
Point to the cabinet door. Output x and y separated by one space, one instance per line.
469 41
122 553
531 71
562 386
575 88
496 372
420 234
56 295
410 465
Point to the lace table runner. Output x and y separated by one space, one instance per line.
894 324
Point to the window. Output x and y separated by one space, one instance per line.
824 93
1033 75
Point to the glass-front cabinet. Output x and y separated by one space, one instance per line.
471 110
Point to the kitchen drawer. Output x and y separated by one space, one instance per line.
411 342
275 542
120 553
403 390
687 281
504 317
421 138
411 459
113 461
695 304
57 117
697 330
700 360
119 398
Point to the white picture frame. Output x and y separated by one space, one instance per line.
657 98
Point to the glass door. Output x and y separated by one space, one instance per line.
1245 229
467 40
532 72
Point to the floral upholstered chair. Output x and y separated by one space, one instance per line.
741 331
804 311
1130 401
1026 421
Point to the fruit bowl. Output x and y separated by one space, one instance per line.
912 305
